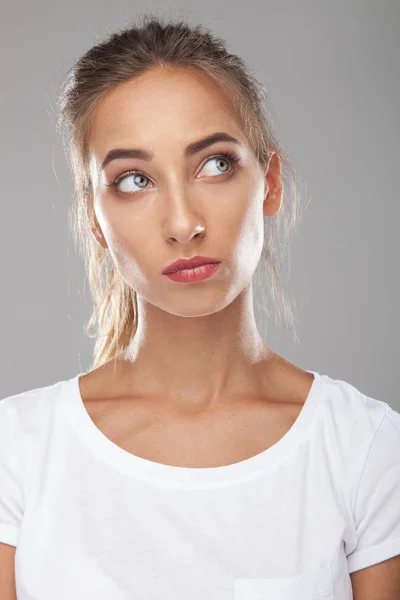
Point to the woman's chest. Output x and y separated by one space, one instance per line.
232 434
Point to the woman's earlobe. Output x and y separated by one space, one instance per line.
98 236
274 185
95 229
272 202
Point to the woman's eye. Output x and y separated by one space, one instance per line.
218 160
135 179
126 183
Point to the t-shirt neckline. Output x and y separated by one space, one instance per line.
172 475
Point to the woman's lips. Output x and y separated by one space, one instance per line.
194 274
190 263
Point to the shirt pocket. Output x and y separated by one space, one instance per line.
313 584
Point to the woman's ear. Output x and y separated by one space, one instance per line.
95 227
274 186
98 236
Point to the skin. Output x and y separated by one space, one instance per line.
197 348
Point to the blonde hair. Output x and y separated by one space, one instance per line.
126 54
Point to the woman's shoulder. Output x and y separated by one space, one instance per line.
25 406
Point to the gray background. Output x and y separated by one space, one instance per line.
331 72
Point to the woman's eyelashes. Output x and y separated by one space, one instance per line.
137 177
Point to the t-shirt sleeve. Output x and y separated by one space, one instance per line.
11 479
377 503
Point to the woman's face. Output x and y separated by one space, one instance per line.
178 204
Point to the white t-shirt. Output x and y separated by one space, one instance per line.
92 521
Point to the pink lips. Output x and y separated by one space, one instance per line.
196 274
190 263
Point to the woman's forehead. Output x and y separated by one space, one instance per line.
162 96
166 109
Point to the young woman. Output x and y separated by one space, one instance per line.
191 460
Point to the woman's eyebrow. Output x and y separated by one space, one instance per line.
191 149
